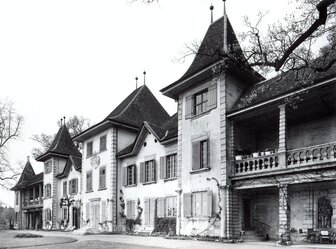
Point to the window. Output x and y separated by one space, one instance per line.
47 190
129 175
130 209
89 149
16 198
65 188
201 102
102 144
102 178
47 167
73 186
166 207
31 194
148 171
200 154
197 204
168 167
89 181
47 213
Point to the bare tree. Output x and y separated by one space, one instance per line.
10 128
75 124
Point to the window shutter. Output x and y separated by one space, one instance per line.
154 165
208 153
161 207
76 184
142 172
196 156
187 204
146 213
163 174
189 106
212 97
124 176
134 174
209 203
128 209
152 204
103 211
87 210
70 184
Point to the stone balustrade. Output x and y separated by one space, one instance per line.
311 155
257 164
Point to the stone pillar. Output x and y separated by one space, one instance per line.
284 214
282 136
223 222
178 213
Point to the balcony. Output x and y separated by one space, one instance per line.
33 203
296 158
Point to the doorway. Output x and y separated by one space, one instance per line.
75 217
95 215
247 214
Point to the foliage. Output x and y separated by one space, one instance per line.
10 129
27 235
165 226
7 215
75 124
130 222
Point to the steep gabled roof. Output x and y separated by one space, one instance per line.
281 85
167 131
141 105
62 145
27 177
209 53
76 162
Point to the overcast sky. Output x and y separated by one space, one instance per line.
60 58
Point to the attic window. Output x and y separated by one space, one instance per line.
145 144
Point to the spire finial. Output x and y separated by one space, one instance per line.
211 9
225 29
61 121
144 73
136 82
28 159
64 119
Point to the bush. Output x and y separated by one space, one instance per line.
27 235
165 226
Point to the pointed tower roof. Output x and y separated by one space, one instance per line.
141 105
27 177
209 53
61 146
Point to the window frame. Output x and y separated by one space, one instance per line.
167 206
73 183
171 170
101 149
150 171
130 175
101 169
48 167
65 188
48 190
89 172
89 153
202 104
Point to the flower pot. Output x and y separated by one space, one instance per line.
255 154
239 157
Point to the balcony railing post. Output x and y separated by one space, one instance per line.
282 136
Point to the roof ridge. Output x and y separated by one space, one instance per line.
128 105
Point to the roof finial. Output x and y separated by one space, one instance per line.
61 121
225 29
28 159
136 82
64 119
144 73
211 9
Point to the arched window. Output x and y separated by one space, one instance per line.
325 212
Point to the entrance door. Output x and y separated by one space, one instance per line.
247 214
75 217
96 215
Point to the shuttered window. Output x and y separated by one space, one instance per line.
89 181
89 149
65 186
130 209
73 186
201 102
171 206
48 190
148 171
102 178
87 211
47 213
102 143
129 175
168 167
161 207
200 154
198 204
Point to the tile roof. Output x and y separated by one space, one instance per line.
165 132
62 144
28 177
279 86
141 105
210 52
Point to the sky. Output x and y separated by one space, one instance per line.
78 57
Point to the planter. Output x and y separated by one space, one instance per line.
255 154
267 153
239 157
